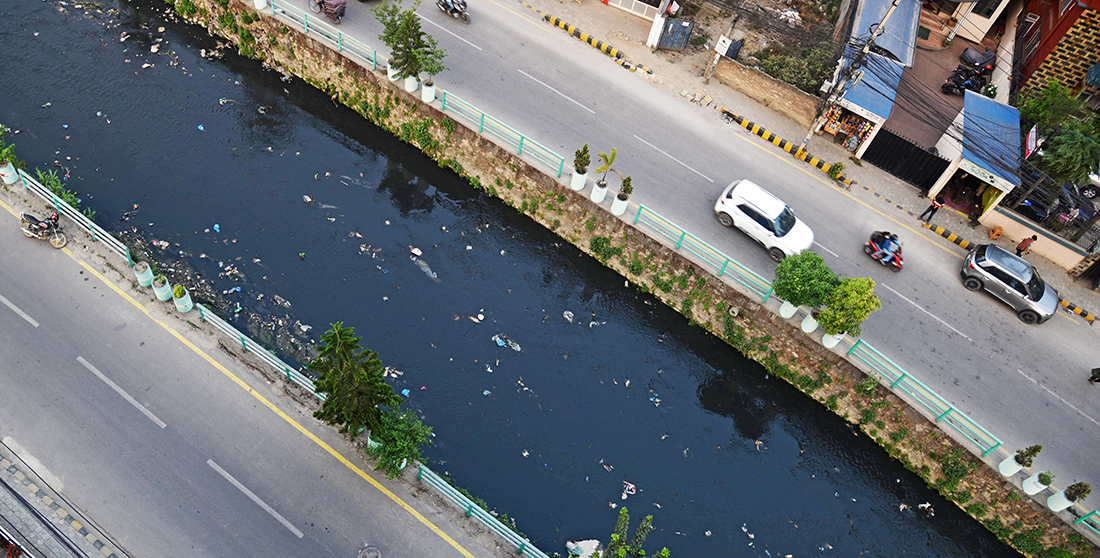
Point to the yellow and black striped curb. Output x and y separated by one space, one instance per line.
49 502
783 144
602 46
950 236
1078 310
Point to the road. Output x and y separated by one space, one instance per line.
1023 383
178 449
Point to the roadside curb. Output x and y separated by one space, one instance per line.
1078 310
606 48
783 144
950 236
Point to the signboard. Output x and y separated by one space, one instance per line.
723 45
1032 142
985 176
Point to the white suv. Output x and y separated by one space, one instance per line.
764 217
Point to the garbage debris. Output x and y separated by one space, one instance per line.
307 199
217 228
416 251
628 489
525 454
568 316
405 392
486 392
423 265
503 340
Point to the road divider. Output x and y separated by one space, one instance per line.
783 144
950 236
606 48
1077 310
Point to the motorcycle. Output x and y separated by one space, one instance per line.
46 229
963 78
334 9
875 244
456 8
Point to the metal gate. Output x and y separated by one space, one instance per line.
904 159
675 34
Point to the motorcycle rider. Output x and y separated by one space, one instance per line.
889 247
450 6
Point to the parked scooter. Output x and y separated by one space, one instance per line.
46 229
963 78
875 244
456 8
334 9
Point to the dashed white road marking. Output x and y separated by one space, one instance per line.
16 309
567 97
252 496
963 335
1068 404
122 392
662 152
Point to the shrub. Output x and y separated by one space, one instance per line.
1027 455
400 435
804 280
805 67
848 305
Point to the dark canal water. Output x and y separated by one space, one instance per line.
711 443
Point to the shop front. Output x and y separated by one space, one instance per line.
850 127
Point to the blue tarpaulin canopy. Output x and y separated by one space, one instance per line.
991 136
900 36
878 86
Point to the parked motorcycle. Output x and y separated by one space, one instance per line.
46 229
334 9
963 78
875 244
456 8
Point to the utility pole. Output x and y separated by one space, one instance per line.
853 71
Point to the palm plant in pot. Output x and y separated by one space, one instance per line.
1037 482
599 191
1075 492
400 436
1023 458
803 280
618 205
407 41
847 306
581 161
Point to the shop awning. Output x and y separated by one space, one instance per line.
877 88
991 137
900 36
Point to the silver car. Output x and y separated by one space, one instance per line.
1012 280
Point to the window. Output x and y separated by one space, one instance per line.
1065 5
985 8
1032 44
1027 24
755 216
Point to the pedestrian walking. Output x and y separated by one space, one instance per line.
1095 378
1024 247
937 203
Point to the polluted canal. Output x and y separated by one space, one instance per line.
298 213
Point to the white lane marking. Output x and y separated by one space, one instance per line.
254 497
673 158
1068 404
16 309
121 392
444 29
827 250
556 91
887 287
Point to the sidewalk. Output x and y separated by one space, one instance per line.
683 72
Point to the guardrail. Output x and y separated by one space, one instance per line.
1090 520
523 546
940 408
721 263
255 348
314 24
74 215
506 133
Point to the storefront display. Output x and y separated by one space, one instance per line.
849 128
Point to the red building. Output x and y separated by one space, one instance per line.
1059 39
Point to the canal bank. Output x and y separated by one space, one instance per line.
780 346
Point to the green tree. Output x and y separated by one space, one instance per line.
400 435
618 548
1071 154
640 534
412 50
804 279
848 305
352 381
1050 107
618 538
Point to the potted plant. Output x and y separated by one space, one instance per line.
398 439
581 161
847 306
407 41
1073 493
599 191
7 166
431 63
182 298
618 205
1023 458
803 280
162 288
1037 482
144 273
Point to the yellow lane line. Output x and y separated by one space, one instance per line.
275 409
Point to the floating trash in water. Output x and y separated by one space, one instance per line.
525 454
628 489
307 199
503 340
416 251
405 392
568 316
201 129
488 369
423 265
486 392
217 228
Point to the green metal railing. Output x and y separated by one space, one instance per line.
313 24
722 264
1090 520
488 124
78 218
899 379
943 411
255 348
523 546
